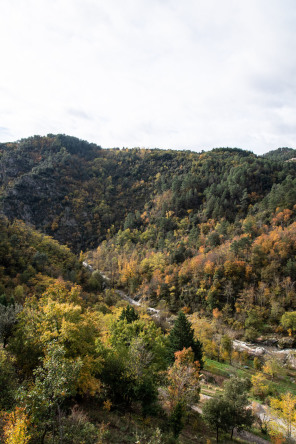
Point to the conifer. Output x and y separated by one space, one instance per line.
182 335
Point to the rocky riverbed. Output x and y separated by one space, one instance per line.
287 355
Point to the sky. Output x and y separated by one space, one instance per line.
187 74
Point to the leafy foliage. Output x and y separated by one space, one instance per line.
55 381
16 427
210 233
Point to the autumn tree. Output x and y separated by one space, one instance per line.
260 386
285 408
59 316
183 386
16 427
273 367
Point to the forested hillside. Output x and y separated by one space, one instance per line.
210 230
207 238
76 191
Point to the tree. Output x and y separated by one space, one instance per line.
273 367
183 379
260 386
285 409
58 316
182 336
226 347
8 381
8 319
16 427
141 369
129 314
257 363
236 392
183 387
177 419
55 381
132 364
219 413
288 320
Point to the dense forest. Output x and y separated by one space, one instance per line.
76 192
206 239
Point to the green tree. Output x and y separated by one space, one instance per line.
272 367
8 319
177 419
219 413
129 314
288 320
236 392
182 336
8 381
55 381
227 346
131 367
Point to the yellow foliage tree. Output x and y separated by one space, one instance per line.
285 409
59 317
272 367
183 379
260 386
16 427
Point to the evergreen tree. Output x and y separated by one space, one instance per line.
182 335
129 314
177 419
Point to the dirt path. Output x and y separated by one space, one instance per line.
250 437
265 414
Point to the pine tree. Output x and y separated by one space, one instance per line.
129 314
177 419
182 335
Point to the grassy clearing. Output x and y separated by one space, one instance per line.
280 384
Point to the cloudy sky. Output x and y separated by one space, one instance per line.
191 74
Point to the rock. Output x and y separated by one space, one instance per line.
291 359
269 342
287 342
252 350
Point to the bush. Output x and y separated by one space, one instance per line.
77 429
251 334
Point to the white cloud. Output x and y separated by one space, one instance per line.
163 73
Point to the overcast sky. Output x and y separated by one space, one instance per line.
187 74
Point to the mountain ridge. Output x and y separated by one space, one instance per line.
75 191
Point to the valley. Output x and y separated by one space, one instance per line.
134 283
